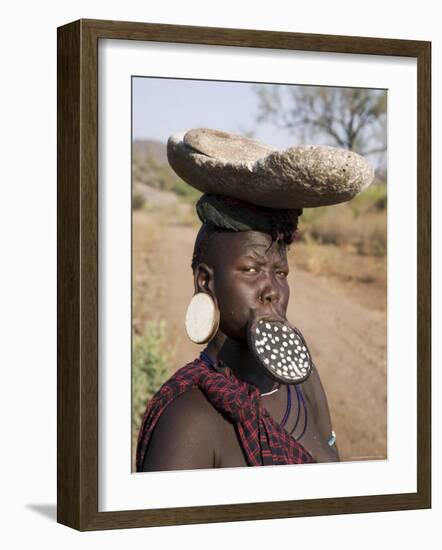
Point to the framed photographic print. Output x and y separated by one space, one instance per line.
358 272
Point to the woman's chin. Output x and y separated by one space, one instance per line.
227 335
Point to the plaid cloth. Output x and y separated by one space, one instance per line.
263 440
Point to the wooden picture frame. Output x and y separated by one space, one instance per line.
77 309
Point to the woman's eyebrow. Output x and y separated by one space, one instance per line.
255 256
261 258
257 249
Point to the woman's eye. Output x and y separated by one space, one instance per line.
282 274
250 270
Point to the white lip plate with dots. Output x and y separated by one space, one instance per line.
288 349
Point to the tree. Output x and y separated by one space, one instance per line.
352 118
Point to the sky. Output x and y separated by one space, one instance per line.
164 106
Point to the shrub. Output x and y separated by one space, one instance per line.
138 201
374 198
151 361
186 191
370 237
360 224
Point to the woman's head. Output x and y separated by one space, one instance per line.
225 215
246 274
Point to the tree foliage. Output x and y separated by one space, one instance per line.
352 118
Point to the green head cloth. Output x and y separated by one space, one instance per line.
233 214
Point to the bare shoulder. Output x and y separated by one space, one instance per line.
183 437
192 405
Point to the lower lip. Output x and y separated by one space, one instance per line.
271 318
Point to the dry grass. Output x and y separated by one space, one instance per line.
151 353
360 224
184 214
348 243
339 226
362 276
146 233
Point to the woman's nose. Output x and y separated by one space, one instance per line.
269 294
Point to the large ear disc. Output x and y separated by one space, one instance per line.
202 318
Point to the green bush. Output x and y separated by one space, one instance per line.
186 191
138 201
374 198
360 223
370 236
152 356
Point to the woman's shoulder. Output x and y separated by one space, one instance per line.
183 437
190 406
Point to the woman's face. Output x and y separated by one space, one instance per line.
249 280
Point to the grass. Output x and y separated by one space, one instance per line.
360 224
185 214
362 276
151 359
152 354
138 201
348 242
148 170
185 191
144 270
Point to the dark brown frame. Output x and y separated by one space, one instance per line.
77 310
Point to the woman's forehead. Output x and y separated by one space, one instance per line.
256 243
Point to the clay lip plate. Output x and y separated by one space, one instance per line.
280 378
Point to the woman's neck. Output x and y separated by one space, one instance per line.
238 357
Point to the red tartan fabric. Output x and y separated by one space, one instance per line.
263 440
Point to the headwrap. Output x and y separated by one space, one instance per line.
236 215
262 439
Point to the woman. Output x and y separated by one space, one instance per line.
239 404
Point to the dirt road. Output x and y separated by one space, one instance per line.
347 341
